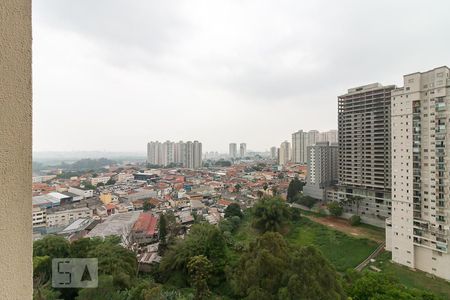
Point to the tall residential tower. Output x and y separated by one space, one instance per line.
418 233
364 171
322 169
233 150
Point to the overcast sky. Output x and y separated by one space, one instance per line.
113 75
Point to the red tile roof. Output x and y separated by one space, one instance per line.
146 222
224 202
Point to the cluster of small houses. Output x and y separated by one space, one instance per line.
65 207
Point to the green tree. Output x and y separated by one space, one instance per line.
51 245
312 277
81 248
270 269
261 269
107 289
87 185
147 290
42 268
46 293
203 239
162 234
173 227
355 220
270 214
111 182
233 210
199 268
237 187
147 205
355 200
294 188
225 225
117 261
305 200
335 208
374 286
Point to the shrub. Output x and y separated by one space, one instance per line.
306 201
335 208
355 220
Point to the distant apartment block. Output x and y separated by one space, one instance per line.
242 150
301 140
232 150
185 154
322 169
419 231
285 153
273 152
330 136
365 150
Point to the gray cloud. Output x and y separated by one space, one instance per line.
186 59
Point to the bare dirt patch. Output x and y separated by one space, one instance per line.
344 226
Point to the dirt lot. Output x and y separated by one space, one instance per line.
364 231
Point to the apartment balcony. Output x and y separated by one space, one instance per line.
442 221
441 106
442 247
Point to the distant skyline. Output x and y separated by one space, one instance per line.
112 75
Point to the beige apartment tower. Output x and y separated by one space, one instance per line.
418 232
285 153
364 180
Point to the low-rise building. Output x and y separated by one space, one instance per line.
39 217
97 180
145 230
119 225
81 192
65 217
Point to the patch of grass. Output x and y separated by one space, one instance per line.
342 250
373 232
410 278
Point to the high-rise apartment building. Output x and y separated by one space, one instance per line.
312 139
188 155
285 153
242 149
168 154
180 153
299 146
419 230
322 169
233 150
330 136
198 157
154 153
300 142
273 152
365 150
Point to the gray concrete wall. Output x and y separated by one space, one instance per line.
15 150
